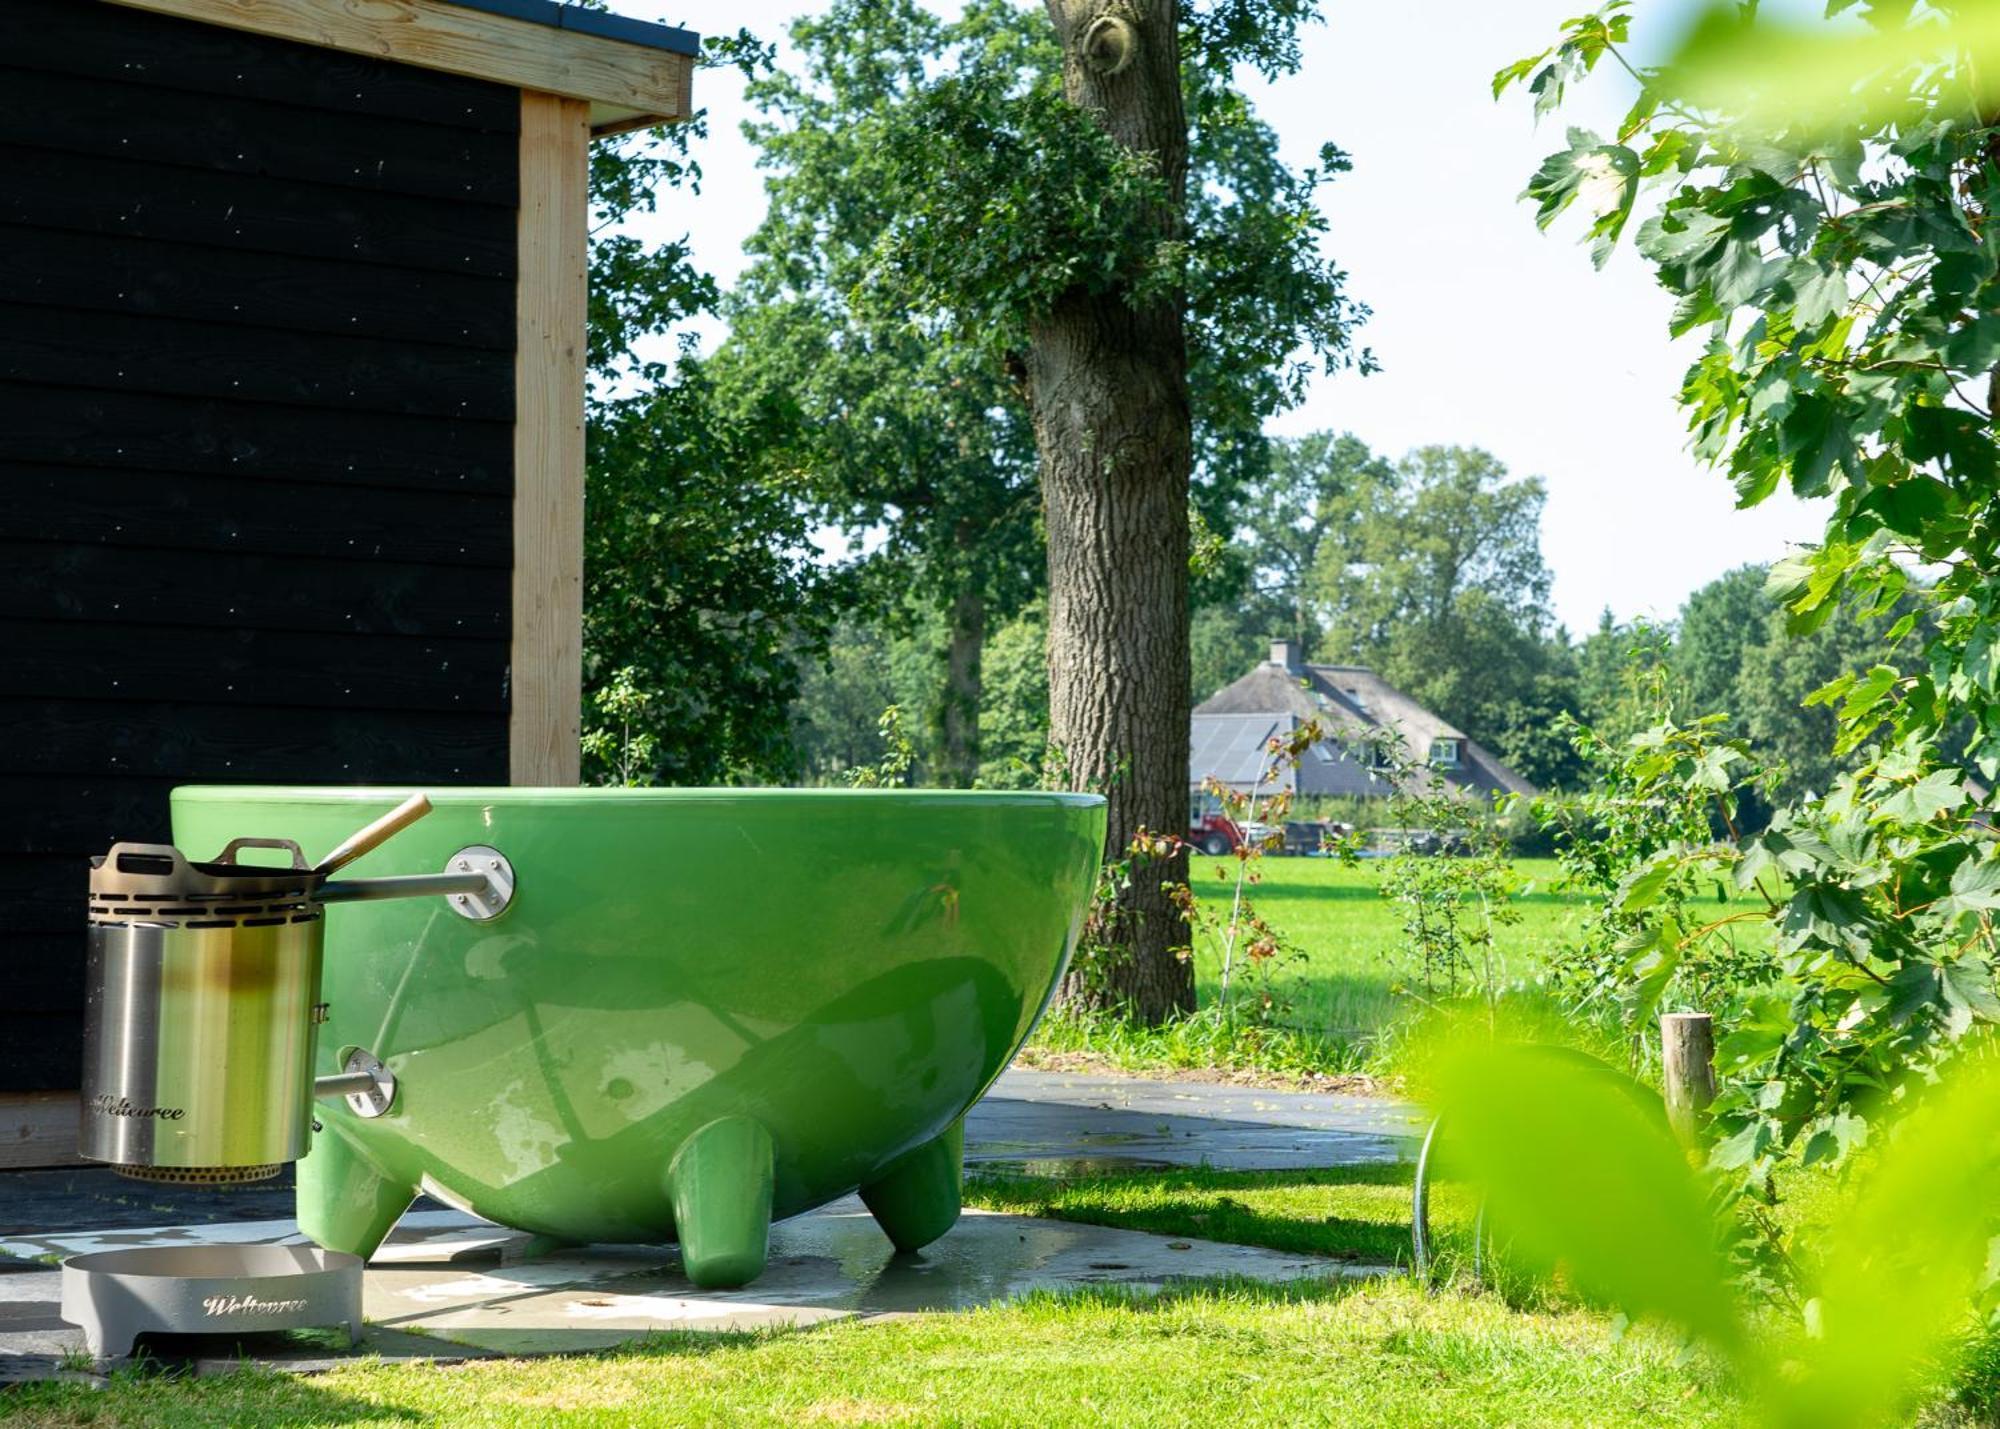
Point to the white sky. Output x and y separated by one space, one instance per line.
1489 333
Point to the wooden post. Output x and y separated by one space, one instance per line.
547 656
1687 1066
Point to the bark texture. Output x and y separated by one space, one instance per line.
962 689
1107 390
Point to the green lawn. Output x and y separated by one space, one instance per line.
1350 936
1382 1353
1334 998
1374 1353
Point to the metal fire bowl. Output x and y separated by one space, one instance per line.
115 1296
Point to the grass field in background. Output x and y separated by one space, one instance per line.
1351 937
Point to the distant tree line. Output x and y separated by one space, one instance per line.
1427 569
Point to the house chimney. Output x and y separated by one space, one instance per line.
1285 654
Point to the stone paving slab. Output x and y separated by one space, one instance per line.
448 1286
449 1280
1053 1123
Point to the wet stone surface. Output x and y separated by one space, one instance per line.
449 1286
1063 1124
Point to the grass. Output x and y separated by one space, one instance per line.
1308 1353
1205 1043
1349 936
1359 1213
1353 1353
1336 1003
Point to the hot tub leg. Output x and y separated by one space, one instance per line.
344 1203
720 1186
916 1199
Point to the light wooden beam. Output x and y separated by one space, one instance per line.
38 1129
547 656
627 85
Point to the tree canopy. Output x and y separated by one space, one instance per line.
1827 228
909 439
699 587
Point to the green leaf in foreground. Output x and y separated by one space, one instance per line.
1580 1173
1580 1170
1904 1260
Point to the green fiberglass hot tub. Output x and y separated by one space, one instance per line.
703 1009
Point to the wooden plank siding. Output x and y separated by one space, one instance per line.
257 432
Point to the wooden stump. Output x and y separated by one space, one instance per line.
1687 1061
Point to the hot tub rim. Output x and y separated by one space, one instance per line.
562 795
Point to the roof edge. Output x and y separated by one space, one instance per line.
584 21
630 72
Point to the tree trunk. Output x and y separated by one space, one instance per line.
1107 390
962 689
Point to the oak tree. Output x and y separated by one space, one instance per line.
1084 196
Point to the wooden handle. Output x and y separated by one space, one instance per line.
393 822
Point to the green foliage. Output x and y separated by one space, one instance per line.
1840 257
996 197
1782 671
1452 881
842 694
698 592
1201 1041
1580 1170
905 439
1245 936
869 664
616 738
1661 934
1719 625
1224 640
1014 713
932 194
898 755
1314 489
699 586
1451 898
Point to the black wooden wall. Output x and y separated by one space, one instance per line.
257 315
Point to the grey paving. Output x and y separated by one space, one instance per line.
449 1286
1059 1123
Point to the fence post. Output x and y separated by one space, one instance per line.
1687 1066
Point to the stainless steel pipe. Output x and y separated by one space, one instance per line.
410 885
344 1084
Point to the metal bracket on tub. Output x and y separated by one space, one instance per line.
477 883
368 1085
492 900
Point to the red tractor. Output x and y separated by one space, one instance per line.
1210 830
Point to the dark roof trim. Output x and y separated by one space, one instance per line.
601 23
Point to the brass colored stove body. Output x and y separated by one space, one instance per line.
203 1001
201 1016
